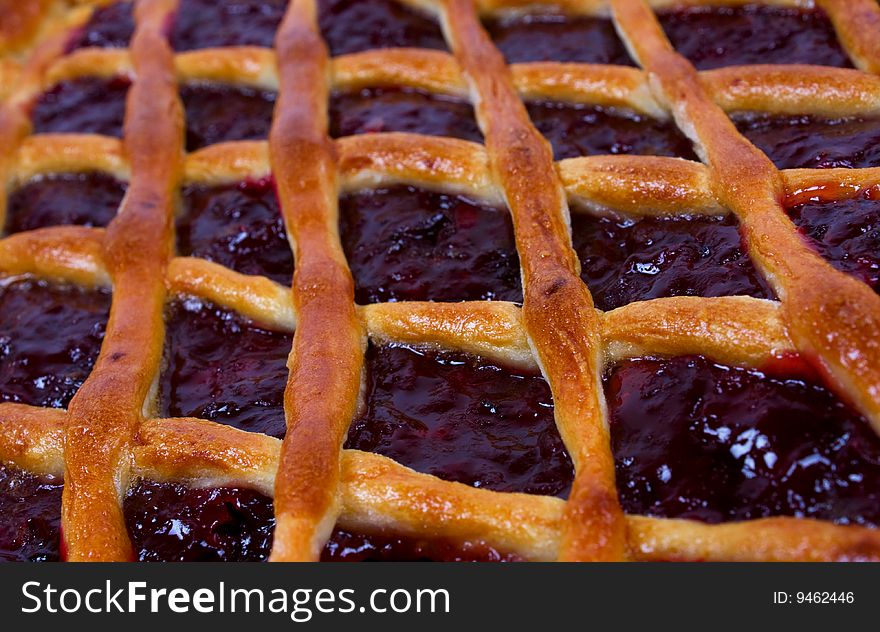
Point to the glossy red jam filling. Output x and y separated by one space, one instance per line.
401 110
345 546
222 367
846 233
352 26
89 105
170 522
557 37
109 27
408 244
463 419
628 260
589 130
699 440
30 517
82 199
811 142
50 336
218 114
216 23
712 37
238 226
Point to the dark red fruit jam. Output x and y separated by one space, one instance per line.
794 142
396 110
408 244
109 27
345 546
694 439
463 419
846 233
50 336
222 367
712 37
89 105
83 199
589 130
556 37
627 260
351 26
238 226
217 114
30 517
170 522
216 23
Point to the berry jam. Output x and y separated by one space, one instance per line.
345 546
352 26
217 23
109 27
811 142
846 233
238 226
556 37
712 37
221 367
82 199
50 336
30 517
218 114
590 130
401 110
170 522
623 261
408 244
698 440
463 419
89 105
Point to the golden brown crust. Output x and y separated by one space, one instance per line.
107 409
557 309
327 357
856 23
32 438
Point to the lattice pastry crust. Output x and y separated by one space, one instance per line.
109 435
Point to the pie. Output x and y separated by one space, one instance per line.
445 280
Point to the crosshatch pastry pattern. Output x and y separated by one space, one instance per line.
439 279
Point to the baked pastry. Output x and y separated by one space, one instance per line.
440 279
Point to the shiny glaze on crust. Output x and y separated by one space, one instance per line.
88 105
215 23
699 440
222 113
221 367
811 142
408 244
169 522
345 546
712 37
238 226
109 27
588 130
352 26
557 37
462 418
627 260
401 110
30 517
81 199
845 232
50 337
